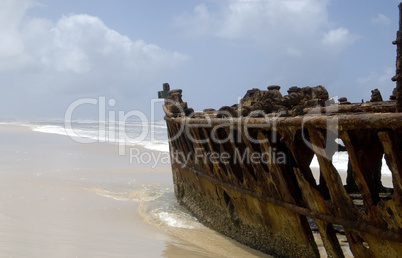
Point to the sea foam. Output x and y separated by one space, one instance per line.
151 136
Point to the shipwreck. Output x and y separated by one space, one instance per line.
244 170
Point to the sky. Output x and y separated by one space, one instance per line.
54 53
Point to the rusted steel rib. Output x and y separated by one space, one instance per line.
314 201
398 76
394 162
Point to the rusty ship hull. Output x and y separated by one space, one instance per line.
266 205
245 172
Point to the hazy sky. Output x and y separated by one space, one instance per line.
54 52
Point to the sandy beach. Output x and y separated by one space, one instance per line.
59 198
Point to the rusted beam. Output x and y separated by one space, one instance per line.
342 121
274 168
398 76
316 202
336 190
199 153
357 247
358 173
248 178
233 175
393 158
303 156
219 168
261 172
345 207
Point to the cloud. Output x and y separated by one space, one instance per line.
78 54
293 27
295 38
378 80
338 39
196 24
382 20
11 43
259 18
84 44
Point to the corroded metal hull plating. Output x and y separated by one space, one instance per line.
266 204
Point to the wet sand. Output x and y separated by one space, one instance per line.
59 198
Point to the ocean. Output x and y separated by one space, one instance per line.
152 135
